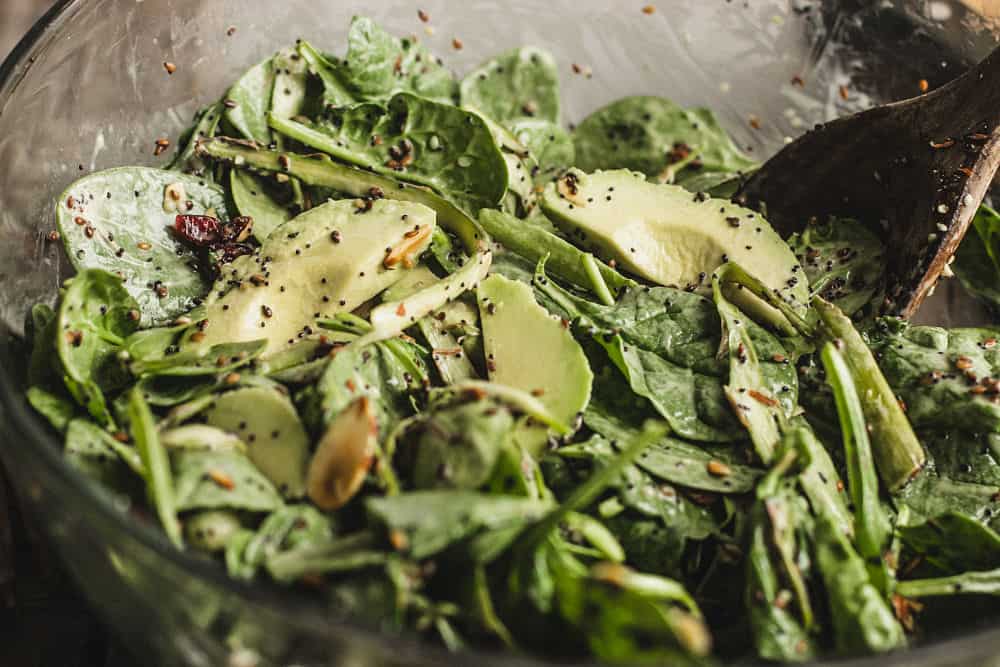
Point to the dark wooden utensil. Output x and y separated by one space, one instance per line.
918 168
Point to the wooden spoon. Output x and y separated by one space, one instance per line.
918 169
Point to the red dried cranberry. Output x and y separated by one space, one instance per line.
224 253
198 230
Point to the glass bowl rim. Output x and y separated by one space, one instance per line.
307 615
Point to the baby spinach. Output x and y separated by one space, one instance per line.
250 101
519 84
252 198
205 479
549 144
95 316
416 140
58 410
206 122
778 530
953 543
862 620
689 401
334 92
935 372
378 64
94 452
459 446
843 261
387 372
425 523
120 220
656 137
976 261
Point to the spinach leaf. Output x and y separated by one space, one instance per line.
862 620
120 221
92 451
550 145
943 376
964 456
387 372
253 199
418 140
459 446
843 261
656 137
424 523
335 94
55 408
692 403
206 479
930 495
631 617
156 463
95 316
250 99
673 461
679 326
518 84
976 261
206 122
378 65
779 528
286 529
168 391
953 543
818 478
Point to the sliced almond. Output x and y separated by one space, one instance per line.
401 252
343 457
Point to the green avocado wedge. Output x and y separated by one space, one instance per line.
529 349
328 260
668 236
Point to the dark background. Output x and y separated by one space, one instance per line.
43 623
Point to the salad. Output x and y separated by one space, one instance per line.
406 343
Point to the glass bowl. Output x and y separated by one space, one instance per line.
87 89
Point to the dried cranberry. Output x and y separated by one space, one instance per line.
198 230
237 230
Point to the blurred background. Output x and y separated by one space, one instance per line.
16 16
43 623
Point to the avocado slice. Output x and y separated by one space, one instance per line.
328 260
529 349
265 419
668 236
